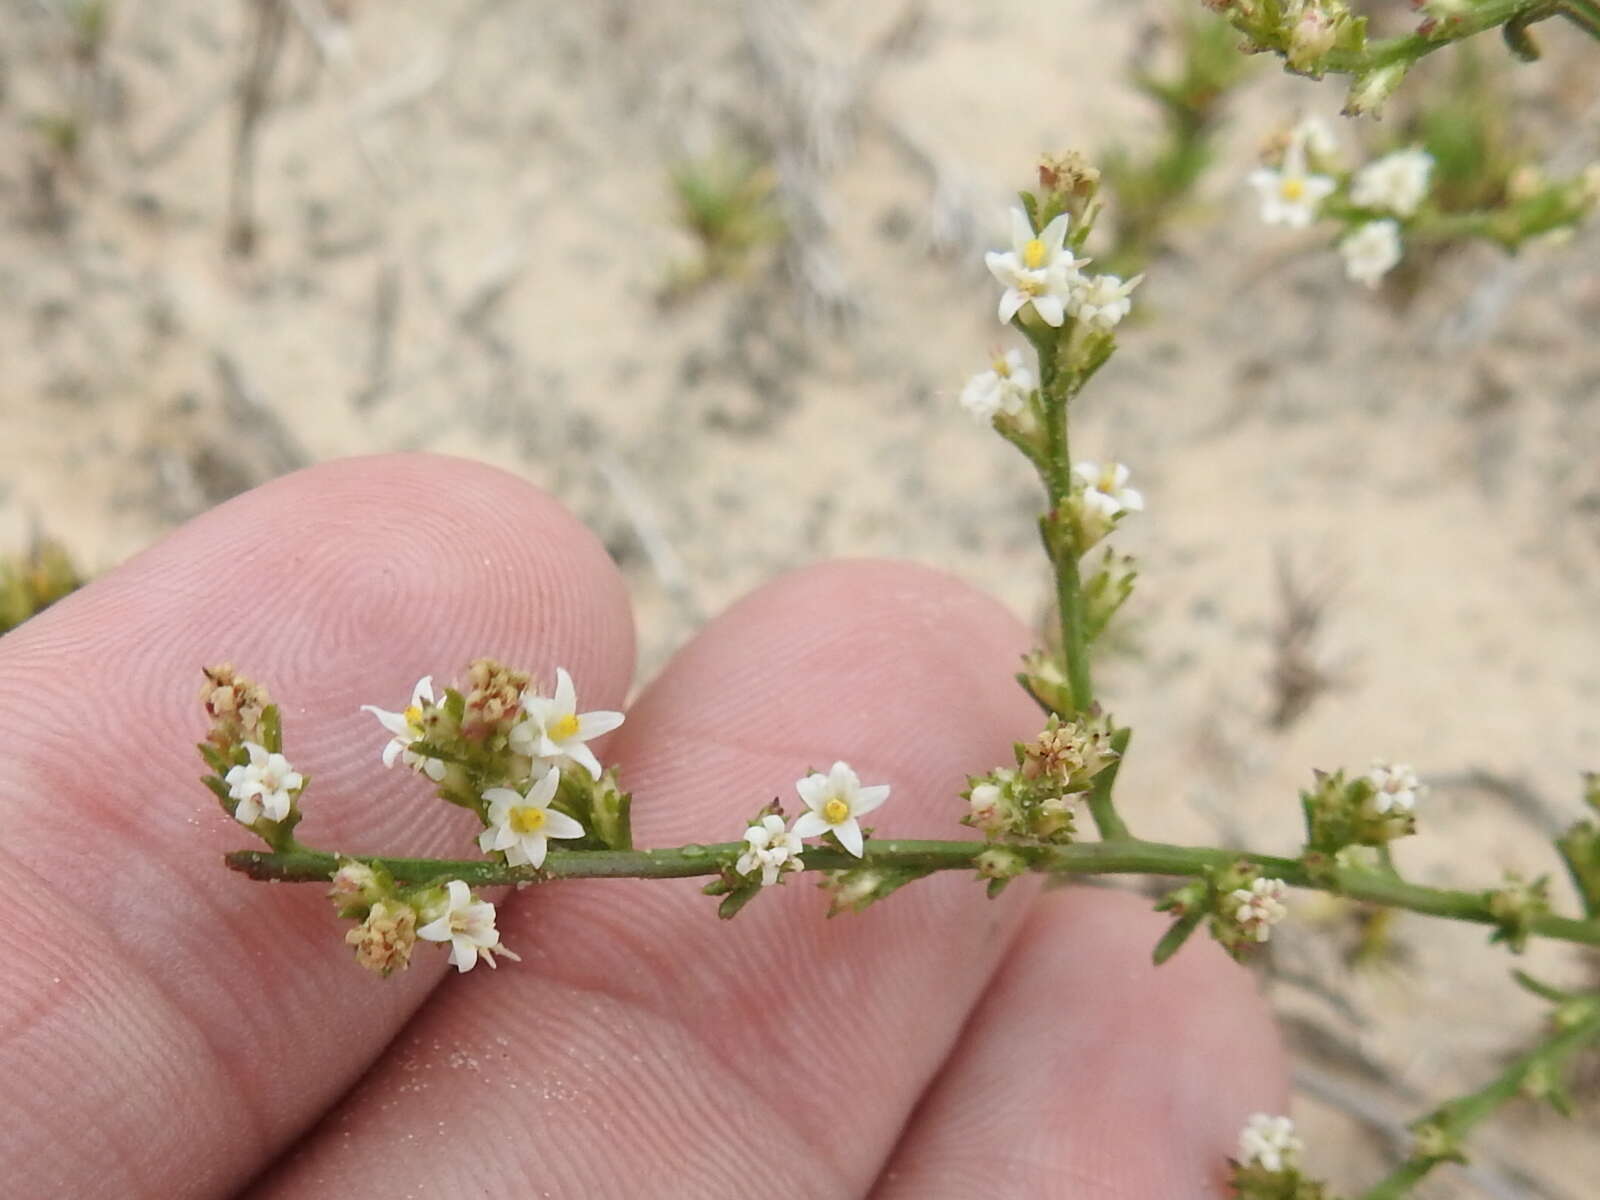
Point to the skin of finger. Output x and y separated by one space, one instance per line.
642 1047
192 1019
1089 1071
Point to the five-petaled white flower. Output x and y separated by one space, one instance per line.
406 728
1269 1142
1037 270
1396 182
1371 252
1259 907
835 800
1003 388
468 925
1395 786
522 825
553 727
771 848
1106 491
1102 301
1290 194
264 785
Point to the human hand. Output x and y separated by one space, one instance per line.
170 1030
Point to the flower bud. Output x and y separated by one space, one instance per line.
1371 91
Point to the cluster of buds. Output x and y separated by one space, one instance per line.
1238 903
389 920
1370 810
1268 1166
1515 906
1034 802
250 777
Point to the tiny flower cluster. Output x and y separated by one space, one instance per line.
1384 199
391 919
1237 903
1034 802
1268 1165
1042 281
499 747
1369 810
834 803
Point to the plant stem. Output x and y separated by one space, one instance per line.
1124 856
1455 1118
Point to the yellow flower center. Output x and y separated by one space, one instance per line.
527 819
564 728
413 716
1033 254
836 810
1002 368
1293 188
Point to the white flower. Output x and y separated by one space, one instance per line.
266 784
1395 787
1290 195
1269 1142
1037 270
553 727
522 825
1103 300
1106 492
1371 252
1003 388
468 925
406 727
1259 907
836 800
1397 182
772 848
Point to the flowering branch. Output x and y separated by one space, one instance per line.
1127 856
1537 1074
1319 37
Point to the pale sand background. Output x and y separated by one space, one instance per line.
464 218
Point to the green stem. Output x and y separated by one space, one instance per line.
1455 1119
1409 48
1125 856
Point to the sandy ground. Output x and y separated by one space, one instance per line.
463 219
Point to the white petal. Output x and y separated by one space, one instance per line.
534 845
1055 233
843 778
566 697
436 931
1050 309
501 798
394 722
463 953
809 824
433 768
247 811
486 840
870 798
459 892
849 835
593 724
544 791
423 692
584 757
559 825
814 789
516 853
1021 230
